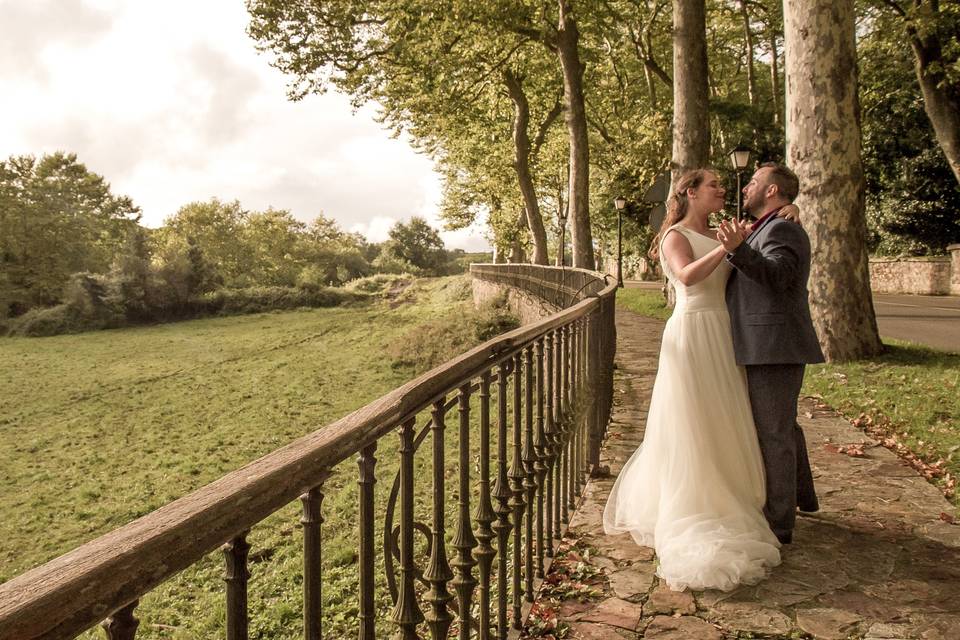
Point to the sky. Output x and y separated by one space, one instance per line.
171 103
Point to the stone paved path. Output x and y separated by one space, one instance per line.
877 562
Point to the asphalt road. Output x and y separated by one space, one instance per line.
930 320
933 321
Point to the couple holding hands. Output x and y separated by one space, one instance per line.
723 468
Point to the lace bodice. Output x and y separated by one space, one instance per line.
709 292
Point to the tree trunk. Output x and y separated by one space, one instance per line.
823 148
774 76
748 44
941 98
521 146
568 38
691 120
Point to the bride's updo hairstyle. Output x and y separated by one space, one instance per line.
677 205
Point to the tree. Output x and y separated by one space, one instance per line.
933 31
418 244
217 228
822 114
691 122
131 277
912 195
57 218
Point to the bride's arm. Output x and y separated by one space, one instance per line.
679 255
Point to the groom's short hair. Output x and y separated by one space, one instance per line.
788 184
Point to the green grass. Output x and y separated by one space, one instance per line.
100 428
646 302
910 396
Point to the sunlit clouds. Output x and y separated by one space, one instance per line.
171 103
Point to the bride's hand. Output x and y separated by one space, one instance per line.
791 212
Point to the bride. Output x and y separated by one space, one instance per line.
694 490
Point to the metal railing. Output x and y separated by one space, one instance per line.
543 394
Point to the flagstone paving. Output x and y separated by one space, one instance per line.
877 562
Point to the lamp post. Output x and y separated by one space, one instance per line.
620 203
739 158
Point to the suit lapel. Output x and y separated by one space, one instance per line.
754 234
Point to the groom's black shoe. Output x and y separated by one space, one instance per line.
785 538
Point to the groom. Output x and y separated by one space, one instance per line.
773 336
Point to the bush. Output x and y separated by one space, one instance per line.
228 302
86 307
381 283
434 342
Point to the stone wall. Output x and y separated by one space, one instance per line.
954 250
930 276
528 308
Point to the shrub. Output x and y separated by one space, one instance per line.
436 341
380 283
228 302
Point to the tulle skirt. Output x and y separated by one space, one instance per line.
694 490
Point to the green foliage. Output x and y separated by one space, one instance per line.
228 302
413 247
435 341
912 195
56 218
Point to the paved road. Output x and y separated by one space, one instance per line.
933 321
930 320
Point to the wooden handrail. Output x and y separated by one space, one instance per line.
73 592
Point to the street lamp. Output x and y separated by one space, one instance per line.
739 157
620 203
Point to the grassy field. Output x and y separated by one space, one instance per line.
909 397
100 428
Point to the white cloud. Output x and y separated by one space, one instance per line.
172 110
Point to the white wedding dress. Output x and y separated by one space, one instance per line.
694 490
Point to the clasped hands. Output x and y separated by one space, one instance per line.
731 234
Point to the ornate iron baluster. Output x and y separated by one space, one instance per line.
463 539
517 501
438 571
564 422
122 625
485 515
406 613
577 414
367 462
540 446
235 555
550 443
571 424
555 434
502 494
529 468
312 521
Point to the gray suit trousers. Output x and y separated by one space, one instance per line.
774 390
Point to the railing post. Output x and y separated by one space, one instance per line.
312 521
235 556
438 571
502 494
552 448
517 476
406 613
540 445
529 467
463 540
367 462
485 515
122 625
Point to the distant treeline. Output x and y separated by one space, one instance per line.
74 257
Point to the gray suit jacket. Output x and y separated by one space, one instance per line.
767 297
